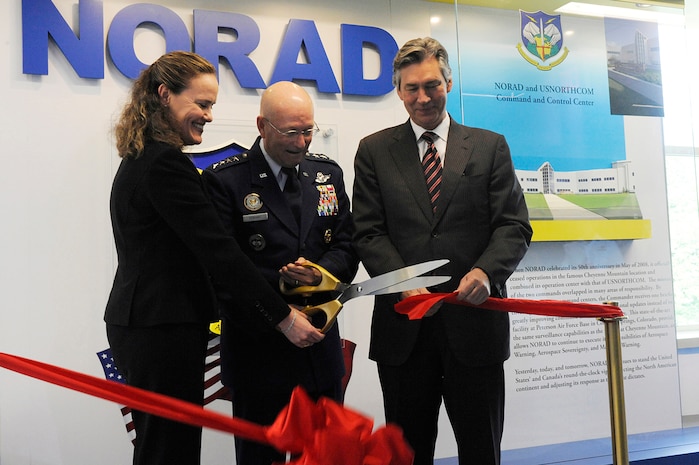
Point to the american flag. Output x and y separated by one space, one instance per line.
213 388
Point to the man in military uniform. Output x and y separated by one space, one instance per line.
284 206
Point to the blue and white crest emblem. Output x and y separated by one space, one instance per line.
542 39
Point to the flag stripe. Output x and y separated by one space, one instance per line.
213 387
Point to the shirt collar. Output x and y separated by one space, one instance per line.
442 130
274 166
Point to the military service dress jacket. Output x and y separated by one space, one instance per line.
256 213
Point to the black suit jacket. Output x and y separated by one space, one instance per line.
173 251
255 212
481 221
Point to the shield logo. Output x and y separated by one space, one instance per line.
542 39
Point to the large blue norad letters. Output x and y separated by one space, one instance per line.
44 26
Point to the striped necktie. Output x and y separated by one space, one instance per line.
432 167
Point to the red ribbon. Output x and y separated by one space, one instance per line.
416 306
139 399
323 433
327 433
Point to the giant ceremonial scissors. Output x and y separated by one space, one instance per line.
402 279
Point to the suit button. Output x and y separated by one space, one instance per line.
435 235
260 308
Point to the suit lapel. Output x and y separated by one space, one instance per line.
263 180
457 156
405 155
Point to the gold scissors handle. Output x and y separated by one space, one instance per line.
330 309
328 282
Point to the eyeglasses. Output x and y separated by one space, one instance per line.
294 133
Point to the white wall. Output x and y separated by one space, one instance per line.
56 247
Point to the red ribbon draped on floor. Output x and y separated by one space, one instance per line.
416 306
319 433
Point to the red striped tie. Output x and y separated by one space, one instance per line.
433 168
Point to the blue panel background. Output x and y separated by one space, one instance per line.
570 137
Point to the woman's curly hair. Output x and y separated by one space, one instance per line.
144 117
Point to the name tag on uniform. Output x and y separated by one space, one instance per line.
255 217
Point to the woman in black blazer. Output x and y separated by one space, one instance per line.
177 266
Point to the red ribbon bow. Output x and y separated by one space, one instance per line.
328 433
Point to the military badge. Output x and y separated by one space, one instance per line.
542 39
252 202
327 200
322 178
328 236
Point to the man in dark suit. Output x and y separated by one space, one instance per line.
471 211
251 193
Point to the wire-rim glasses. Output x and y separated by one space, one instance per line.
294 133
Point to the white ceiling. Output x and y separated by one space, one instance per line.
552 5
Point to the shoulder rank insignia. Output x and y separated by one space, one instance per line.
229 161
317 156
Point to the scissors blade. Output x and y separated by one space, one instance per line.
376 284
414 283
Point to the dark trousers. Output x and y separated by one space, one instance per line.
261 405
167 359
474 398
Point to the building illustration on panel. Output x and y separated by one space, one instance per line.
545 180
595 194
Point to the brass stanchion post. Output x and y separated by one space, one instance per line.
615 381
